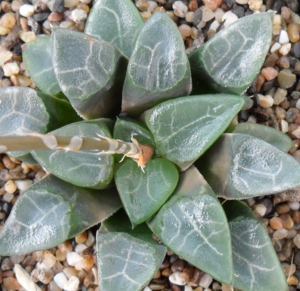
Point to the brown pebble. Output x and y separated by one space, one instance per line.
293 32
283 62
8 163
166 272
260 80
271 60
156 286
296 216
212 4
86 264
193 5
287 221
283 208
269 73
55 16
82 237
286 14
11 283
297 66
178 265
7 274
275 223
292 280
196 277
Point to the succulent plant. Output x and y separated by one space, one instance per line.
100 167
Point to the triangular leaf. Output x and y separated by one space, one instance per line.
52 211
255 262
126 258
193 224
84 168
240 166
38 62
143 194
115 21
230 61
271 135
184 128
158 68
89 73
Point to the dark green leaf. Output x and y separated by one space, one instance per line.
52 211
255 263
84 168
184 128
193 224
61 111
158 68
38 61
115 21
90 72
230 61
266 133
143 194
127 258
240 166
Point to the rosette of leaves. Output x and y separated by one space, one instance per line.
121 63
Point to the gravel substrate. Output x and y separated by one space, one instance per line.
275 103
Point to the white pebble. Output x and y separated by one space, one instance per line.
90 240
284 126
205 281
252 119
60 279
147 289
10 69
27 36
296 132
23 184
280 233
207 14
260 210
255 5
25 279
283 37
71 3
277 19
188 288
285 49
79 15
73 258
214 26
265 101
5 55
296 240
80 248
189 16
26 10
201 24
298 104
49 260
72 284
230 18
275 47
248 104
8 197
152 5
177 278
219 14
180 9
242 2
294 205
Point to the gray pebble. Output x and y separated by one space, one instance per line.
58 6
40 16
295 50
291 115
297 262
197 16
239 11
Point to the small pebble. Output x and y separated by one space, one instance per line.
294 205
276 223
79 15
283 37
265 101
185 30
26 10
255 5
177 278
280 233
287 221
10 69
260 209
293 32
207 14
70 3
296 240
286 79
10 187
27 36
205 281
180 9
229 18
11 283
8 20
73 258
275 47
279 95
292 280
283 126
283 62
285 49
212 4
72 284
60 279
86 264
269 73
